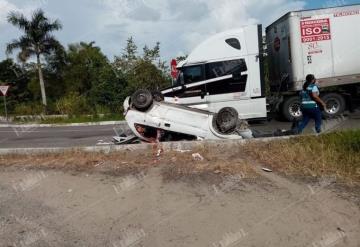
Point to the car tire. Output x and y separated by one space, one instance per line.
142 99
291 108
226 120
335 105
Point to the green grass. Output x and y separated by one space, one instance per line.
82 119
73 119
336 153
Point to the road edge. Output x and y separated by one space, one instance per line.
182 146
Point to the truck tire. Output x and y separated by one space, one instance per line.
226 120
335 105
142 99
291 108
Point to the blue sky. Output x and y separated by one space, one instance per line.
324 3
178 24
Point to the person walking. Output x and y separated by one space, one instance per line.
311 104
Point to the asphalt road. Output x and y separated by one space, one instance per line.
16 137
22 137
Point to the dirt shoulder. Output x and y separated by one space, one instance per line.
202 197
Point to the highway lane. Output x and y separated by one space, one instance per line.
16 137
21 137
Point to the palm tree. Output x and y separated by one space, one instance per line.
37 40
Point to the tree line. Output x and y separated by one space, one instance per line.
77 79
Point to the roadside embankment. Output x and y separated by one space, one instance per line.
332 154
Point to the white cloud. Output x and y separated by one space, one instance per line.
178 24
185 23
5 8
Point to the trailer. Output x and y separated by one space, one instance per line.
324 42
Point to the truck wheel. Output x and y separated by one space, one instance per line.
291 108
335 105
142 99
226 120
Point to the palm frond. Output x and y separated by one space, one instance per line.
23 43
38 17
24 55
13 45
49 27
49 44
19 20
26 42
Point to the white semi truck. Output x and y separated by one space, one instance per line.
228 68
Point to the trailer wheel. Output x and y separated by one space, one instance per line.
226 120
335 105
291 108
142 99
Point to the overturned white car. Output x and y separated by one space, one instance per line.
152 119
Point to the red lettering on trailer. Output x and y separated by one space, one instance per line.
315 52
347 13
315 30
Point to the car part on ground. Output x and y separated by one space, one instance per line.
121 140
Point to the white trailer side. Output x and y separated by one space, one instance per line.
323 42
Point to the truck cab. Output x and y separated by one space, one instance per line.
224 70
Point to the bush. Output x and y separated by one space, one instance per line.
30 108
72 104
101 109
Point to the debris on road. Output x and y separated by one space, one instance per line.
197 157
159 152
123 139
266 169
98 164
183 151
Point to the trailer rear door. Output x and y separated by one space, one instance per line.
346 45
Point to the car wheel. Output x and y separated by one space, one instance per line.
291 108
335 105
226 120
142 99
